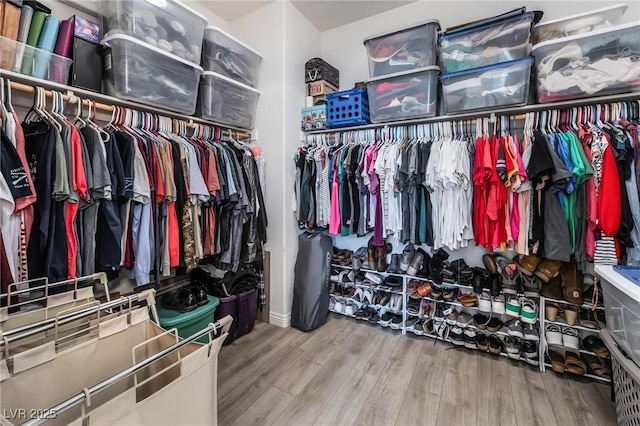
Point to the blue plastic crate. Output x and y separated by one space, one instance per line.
348 108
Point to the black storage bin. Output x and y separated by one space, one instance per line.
318 69
86 68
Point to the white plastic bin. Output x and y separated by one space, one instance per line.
486 44
139 72
40 63
579 24
169 25
597 63
228 56
401 50
622 309
403 96
227 102
499 85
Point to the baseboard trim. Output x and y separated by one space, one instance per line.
280 320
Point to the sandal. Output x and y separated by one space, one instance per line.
588 319
385 299
552 310
594 344
573 364
468 300
570 314
428 327
557 361
597 366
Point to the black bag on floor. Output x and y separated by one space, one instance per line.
311 283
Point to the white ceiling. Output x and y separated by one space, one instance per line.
323 14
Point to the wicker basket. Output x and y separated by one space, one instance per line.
626 383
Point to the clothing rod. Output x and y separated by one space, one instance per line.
80 397
513 112
30 83
47 324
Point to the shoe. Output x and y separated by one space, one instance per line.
356 263
512 347
396 322
551 311
572 280
428 327
441 329
595 344
394 266
452 317
513 307
393 281
436 292
424 270
587 318
490 264
494 325
557 361
509 274
456 336
530 352
597 366
482 343
367 296
385 319
436 265
469 339
478 281
481 321
200 293
494 284
427 308
531 333
468 300
359 295
417 328
375 317
416 264
374 278
350 309
548 269
464 319
497 305
553 288
514 328
332 303
553 335
413 306
573 364
407 256
450 294
570 338
570 314
495 345
531 285
484 303
338 307
411 322
182 300
528 311
527 264
424 289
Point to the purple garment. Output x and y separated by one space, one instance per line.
378 239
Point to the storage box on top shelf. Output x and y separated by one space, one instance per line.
348 108
597 63
85 29
487 43
10 18
317 69
404 49
622 309
224 54
404 95
493 86
578 24
320 88
40 63
314 117
86 68
226 101
169 25
136 71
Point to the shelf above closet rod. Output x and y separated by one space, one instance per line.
514 112
27 84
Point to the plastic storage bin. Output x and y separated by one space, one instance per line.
478 46
189 323
622 310
347 108
579 24
626 383
226 101
169 25
140 72
498 85
403 50
602 62
405 95
243 308
230 57
39 63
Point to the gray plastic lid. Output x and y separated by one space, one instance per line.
402 73
230 81
405 28
171 56
226 34
601 31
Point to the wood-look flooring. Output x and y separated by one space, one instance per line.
348 372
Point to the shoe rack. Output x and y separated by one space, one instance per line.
406 316
563 324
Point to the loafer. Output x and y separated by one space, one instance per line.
482 342
495 345
494 325
481 321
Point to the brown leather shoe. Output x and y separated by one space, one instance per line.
381 257
527 264
553 288
572 280
548 269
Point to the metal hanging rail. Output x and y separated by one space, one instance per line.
27 84
515 113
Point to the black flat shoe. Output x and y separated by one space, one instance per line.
478 281
200 294
182 300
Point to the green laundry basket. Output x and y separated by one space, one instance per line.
189 323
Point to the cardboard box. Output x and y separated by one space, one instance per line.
318 88
314 118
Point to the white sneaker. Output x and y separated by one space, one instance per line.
497 305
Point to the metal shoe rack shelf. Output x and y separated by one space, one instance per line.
581 330
406 316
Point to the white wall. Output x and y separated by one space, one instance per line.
343 47
285 39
